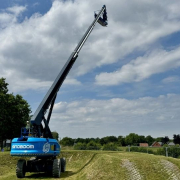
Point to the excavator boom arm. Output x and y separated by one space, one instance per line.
49 98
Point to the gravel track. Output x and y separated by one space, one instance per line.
132 171
171 169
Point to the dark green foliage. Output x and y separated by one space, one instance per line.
14 112
110 147
176 139
142 139
159 139
80 140
165 140
93 146
174 152
133 149
55 135
66 141
3 86
140 149
80 146
161 151
150 151
132 139
121 141
149 140
108 139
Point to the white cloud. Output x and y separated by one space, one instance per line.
9 16
116 116
38 47
17 84
33 52
72 82
171 79
16 9
142 68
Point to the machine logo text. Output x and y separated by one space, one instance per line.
23 146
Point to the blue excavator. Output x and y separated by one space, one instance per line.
36 140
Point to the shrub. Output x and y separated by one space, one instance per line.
93 146
150 151
110 147
133 149
66 141
140 149
161 151
174 152
80 146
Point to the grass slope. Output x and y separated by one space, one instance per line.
82 165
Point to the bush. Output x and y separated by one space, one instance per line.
174 152
161 151
133 149
93 146
150 151
66 141
140 149
80 146
110 147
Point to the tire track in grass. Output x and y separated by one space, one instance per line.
133 173
171 169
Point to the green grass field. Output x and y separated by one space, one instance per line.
94 165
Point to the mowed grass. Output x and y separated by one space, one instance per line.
96 165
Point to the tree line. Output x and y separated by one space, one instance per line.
15 112
132 139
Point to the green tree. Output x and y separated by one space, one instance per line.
3 86
108 139
176 139
66 141
93 146
165 140
55 135
149 140
142 139
132 139
14 112
81 140
159 139
121 141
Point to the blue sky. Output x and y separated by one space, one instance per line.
126 78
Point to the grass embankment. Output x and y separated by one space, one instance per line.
82 165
